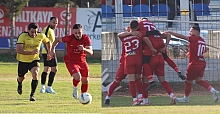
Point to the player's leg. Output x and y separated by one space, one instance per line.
84 71
139 86
132 88
190 76
130 70
75 73
205 84
145 93
54 68
34 69
118 78
148 72
22 70
138 79
159 71
44 73
173 65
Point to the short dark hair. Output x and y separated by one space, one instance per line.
77 26
196 27
33 25
144 18
134 24
51 18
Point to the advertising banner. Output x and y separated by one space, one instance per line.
90 18
40 15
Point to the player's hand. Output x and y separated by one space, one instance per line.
52 53
36 51
49 57
136 33
154 51
128 29
81 48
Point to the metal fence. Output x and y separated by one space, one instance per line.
208 20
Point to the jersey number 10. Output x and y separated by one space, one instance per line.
201 50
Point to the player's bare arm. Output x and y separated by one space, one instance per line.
125 34
87 49
48 46
166 36
55 43
20 50
178 35
149 44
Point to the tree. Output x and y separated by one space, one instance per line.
14 7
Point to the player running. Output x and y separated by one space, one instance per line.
197 63
78 45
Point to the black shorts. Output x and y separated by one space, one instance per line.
146 59
23 67
165 55
50 63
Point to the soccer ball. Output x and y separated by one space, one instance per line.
85 98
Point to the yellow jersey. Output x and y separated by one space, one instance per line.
50 35
30 44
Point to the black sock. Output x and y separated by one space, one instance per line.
43 77
19 83
51 78
34 84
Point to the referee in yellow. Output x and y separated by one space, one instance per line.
27 48
52 64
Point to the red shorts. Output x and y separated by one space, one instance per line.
157 65
82 68
133 65
195 71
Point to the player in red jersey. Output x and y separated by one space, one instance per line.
120 74
146 25
197 63
78 45
133 59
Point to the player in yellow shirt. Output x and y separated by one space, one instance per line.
52 64
27 48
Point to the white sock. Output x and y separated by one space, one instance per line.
171 95
43 86
134 99
107 97
186 97
139 95
145 100
212 90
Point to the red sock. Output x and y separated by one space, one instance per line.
75 82
187 88
132 88
145 93
204 84
167 87
139 85
148 72
84 88
112 88
172 64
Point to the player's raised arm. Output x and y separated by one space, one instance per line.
178 35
